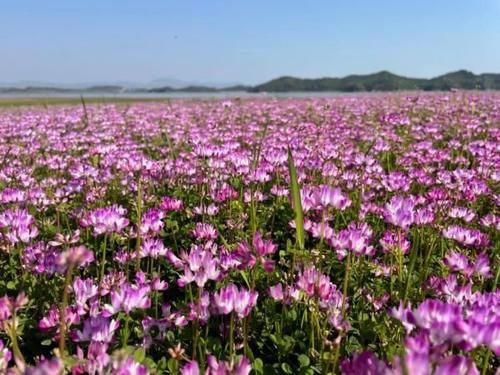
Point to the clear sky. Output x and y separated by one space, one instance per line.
246 41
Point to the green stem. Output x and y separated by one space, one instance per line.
346 284
423 273
413 259
245 337
62 311
344 297
103 261
126 331
196 326
486 361
497 276
139 218
231 337
18 356
391 278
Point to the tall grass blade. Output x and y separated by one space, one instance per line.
297 203
85 113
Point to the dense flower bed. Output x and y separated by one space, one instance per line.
354 235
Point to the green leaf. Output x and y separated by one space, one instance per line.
304 360
170 336
140 355
258 366
287 369
297 203
172 365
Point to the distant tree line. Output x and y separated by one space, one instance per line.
381 81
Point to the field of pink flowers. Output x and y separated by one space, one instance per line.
353 235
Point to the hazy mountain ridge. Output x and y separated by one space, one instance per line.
380 81
384 81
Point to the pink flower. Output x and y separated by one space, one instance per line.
200 267
99 329
204 231
5 357
190 368
239 367
128 297
276 292
151 222
400 211
78 256
171 204
466 237
153 248
128 366
327 196
20 226
53 366
106 220
230 298
84 290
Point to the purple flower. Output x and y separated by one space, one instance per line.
52 318
276 292
355 238
96 361
424 215
5 357
457 365
10 305
327 196
128 297
400 211
463 213
106 220
466 237
230 298
153 248
201 266
171 204
190 368
204 231
40 258
53 366
244 257
416 359
482 265
84 290
151 222
98 328
239 367
392 242
19 225
67 240
199 310
128 366
443 320
78 256
318 286
365 363
458 262
263 247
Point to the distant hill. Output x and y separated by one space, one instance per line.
381 81
384 81
112 89
195 89
108 89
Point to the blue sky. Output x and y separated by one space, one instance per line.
247 41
